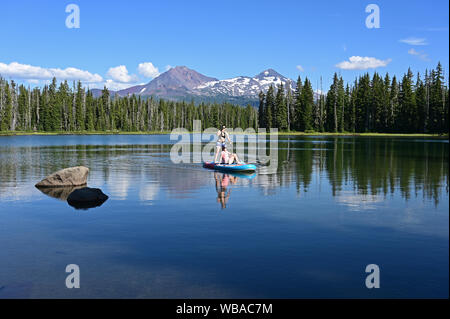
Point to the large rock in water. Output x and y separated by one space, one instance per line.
72 176
84 198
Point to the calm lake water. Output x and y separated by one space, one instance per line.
307 228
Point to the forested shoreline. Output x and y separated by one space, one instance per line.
371 104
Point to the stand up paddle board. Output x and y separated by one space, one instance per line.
230 167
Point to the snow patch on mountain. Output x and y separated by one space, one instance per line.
244 86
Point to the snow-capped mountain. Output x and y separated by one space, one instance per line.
244 86
181 83
172 83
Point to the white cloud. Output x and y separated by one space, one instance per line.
33 81
168 67
30 72
414 41
113 85
356 202
149 192
421 55
300 68
120 74
362 63
148 70
119 191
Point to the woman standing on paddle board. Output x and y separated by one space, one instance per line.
222 136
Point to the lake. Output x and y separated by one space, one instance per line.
306 229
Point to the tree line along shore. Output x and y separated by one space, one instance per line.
371 105
286 133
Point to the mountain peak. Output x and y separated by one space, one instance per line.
180 76
174 82
180 67
269 73
181 82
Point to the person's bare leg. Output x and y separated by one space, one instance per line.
234 159
217 153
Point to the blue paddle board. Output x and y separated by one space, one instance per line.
230 167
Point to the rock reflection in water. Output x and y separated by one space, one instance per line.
61 193
79 197
85 198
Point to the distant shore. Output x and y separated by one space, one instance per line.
20 133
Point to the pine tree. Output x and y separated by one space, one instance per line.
23 109
421 103
297 104
54 114
407 103
362 104
340 105
386 103
47 123
393 105
270 105
261 111
289 106
437 102
64 100
79 113
281 109
334 105
376 122
306 107
6 115
352 108
348 110
90 112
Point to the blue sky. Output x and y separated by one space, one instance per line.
222 39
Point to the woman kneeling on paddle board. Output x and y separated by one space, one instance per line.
229 158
